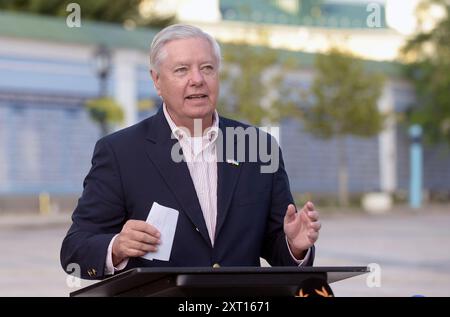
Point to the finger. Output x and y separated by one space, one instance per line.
316 225
133 253
304 216
139 225
133 224
143 237
313 215
309 206
151 230
313 236
135 245
290 212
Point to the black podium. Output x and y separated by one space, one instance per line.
223 281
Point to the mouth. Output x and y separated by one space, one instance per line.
196 96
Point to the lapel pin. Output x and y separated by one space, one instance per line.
233 162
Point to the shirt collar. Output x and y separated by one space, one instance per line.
181 132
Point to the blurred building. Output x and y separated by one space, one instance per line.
48 71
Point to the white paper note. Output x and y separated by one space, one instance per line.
165 220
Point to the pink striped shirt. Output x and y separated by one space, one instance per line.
201 158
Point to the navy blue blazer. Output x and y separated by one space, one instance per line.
132 168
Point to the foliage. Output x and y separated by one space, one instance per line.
254 80
117 11
430 73
344 102
105 111
344 98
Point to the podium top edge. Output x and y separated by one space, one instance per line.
248 269
132 278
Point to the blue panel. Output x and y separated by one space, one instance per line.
48 148
312 164
45 75
45 82
51 61
145 87
3 147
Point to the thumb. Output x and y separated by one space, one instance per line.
290 212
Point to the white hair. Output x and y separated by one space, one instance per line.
178 32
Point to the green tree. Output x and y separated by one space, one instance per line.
253 79
310 8
430 73
105 112
344 102
117 11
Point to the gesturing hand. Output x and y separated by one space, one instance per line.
137 238
301 228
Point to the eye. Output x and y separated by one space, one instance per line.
207 69
181 70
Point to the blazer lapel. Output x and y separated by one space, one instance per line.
176 175
227 174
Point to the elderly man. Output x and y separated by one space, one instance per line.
230 213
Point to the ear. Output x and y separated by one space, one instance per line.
155 77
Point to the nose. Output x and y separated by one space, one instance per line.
196 77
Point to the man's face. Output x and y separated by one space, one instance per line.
188 80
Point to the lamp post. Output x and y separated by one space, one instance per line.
103 66
102 59
416 169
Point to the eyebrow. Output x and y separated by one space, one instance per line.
184 63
